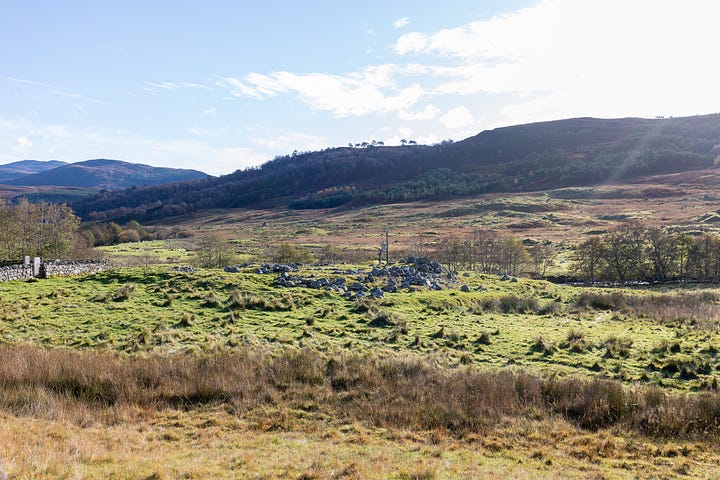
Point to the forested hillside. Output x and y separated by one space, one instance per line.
583 151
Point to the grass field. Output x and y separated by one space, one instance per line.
662 338
150 372
667 337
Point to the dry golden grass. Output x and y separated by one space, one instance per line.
394 392
209 443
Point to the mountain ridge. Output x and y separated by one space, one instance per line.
551 154
21 168
105 174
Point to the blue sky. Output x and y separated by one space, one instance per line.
223 85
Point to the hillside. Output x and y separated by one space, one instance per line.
563 153
23 168
107 175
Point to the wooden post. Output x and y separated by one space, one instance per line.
387 248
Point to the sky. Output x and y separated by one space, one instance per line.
224 85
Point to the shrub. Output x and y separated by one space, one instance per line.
289 253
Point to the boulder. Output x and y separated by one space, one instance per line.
377 293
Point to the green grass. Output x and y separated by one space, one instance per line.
529 325
154 251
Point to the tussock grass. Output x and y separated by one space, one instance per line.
247 301
400 392
575 341
700 309
544 346
511 303
617 347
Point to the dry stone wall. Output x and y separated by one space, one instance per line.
16 272
52 268
66 268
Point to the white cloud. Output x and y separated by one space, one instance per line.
22 144
428 113
152 86
405 132
458 117
413 42
401 22
562 58
371 90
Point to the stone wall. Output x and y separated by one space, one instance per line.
52 268
16 272
66 268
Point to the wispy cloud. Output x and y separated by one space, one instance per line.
50 89
401 22
153 86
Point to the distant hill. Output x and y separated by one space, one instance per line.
106 174
22 168
580 151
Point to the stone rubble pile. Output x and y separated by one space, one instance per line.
266 268
183 269
291 281
416 272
